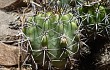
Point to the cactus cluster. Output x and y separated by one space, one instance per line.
56 36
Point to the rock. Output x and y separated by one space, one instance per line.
5 3
5 20
13 68
9 5
9 55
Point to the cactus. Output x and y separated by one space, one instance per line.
53 38
94 20
94 26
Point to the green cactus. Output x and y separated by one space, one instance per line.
52 38
93 19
